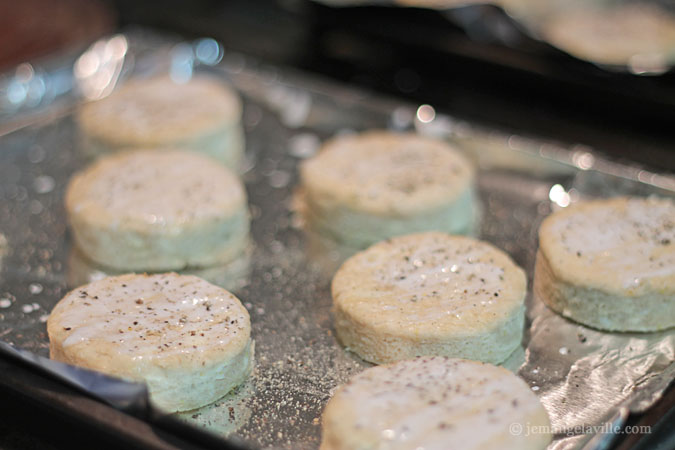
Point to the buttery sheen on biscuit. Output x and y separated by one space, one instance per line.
158 210
202 115
610 264
187 339
363 188
430 294
435 403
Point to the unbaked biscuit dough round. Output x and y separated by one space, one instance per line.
430 294
158 210
610 264
187 339
435 403
639 35
363 188
202 115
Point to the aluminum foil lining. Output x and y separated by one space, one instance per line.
581 375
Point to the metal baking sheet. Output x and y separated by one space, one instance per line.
582 376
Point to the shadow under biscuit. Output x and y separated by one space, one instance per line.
515 360
231 276
328 251
227 414
325 252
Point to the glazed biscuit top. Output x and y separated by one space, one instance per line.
145 188
430 283
166 320
158 110
429 402
387 173
624 245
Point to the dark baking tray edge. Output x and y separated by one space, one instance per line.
67 418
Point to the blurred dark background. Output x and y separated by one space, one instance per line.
521 85
422 55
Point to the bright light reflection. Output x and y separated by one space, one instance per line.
16 92
98 69
182 63
426 113
117 47
24 72
583 160
208 51
559 196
